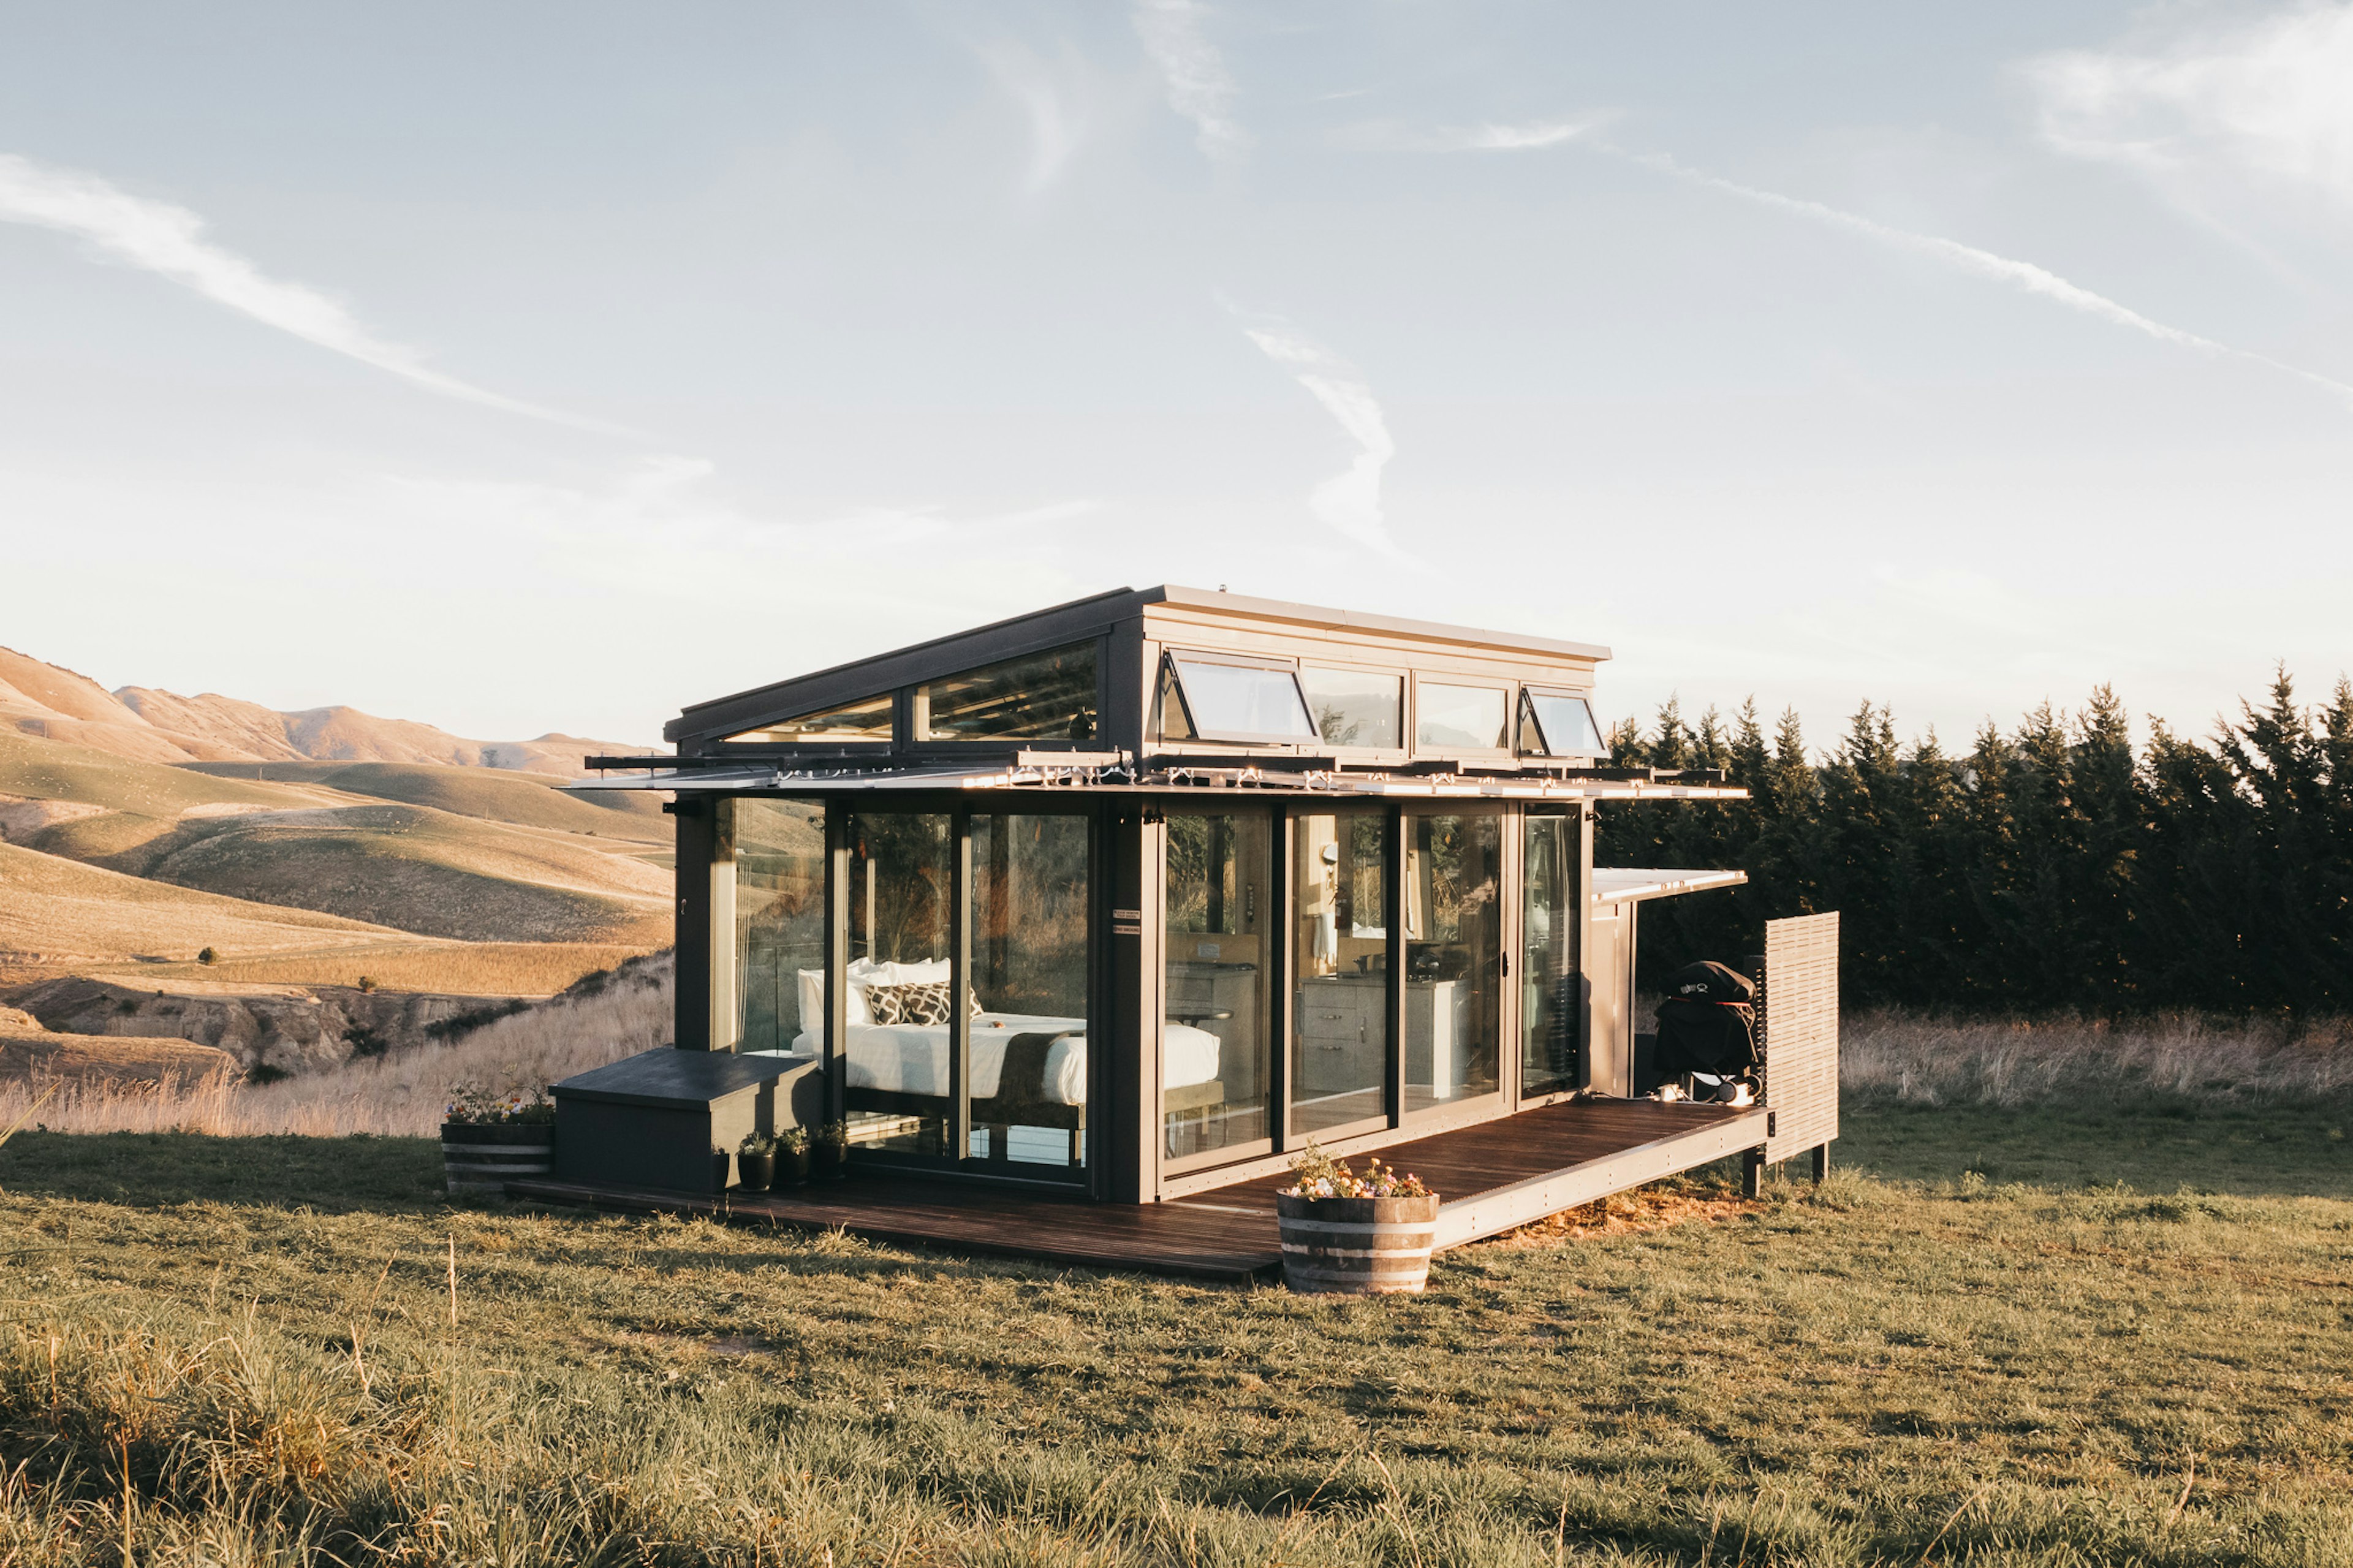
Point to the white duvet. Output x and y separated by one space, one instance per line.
909 1058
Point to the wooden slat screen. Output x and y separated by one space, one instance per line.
1800 1022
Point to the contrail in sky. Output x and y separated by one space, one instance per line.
2025 275
168 241
1349 501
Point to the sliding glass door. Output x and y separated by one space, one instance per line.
1340 1007
1215 1056
1453 909
1027 1031
1552 996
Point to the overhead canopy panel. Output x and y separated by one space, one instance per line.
1627 885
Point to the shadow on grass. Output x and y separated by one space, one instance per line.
160 1169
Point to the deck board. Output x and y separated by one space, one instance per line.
1491 1176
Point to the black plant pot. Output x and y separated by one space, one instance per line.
719 1169
826 1162
755 1173
792 1167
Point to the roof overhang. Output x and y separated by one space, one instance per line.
1626 885
1097 779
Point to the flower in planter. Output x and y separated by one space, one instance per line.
474 1105
757 1144
1315 1174
794 1140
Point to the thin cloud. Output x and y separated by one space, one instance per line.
1388 136
168 241
2023 275
2268 97
1057 128
1192 72
1349 501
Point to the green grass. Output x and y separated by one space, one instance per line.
2142 1357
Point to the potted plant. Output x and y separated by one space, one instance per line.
1352 1234
720 1162
489 1139
756 1162
793 1157
829 1152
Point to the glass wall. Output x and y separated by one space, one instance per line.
1216 1058
1454 952
1469 717
866 720
1355 707
1552 1010
776 850
1029 1038
1340 1016
1041 696
895 1060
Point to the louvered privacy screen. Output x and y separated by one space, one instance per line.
1800 1015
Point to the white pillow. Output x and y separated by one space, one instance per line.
813 1000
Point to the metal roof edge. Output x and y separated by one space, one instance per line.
1320 615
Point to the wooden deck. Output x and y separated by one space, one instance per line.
1493 1176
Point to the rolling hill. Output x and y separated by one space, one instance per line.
148 725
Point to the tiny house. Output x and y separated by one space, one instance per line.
1126 899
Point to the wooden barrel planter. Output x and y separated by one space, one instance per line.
484 1156
1358 1246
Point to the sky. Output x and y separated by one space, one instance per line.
549 366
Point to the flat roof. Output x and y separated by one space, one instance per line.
1066 622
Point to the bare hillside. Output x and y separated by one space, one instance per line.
155 726
515 860
54 912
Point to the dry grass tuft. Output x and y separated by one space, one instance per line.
400 1095
1896 1057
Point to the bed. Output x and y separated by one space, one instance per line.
1028 1070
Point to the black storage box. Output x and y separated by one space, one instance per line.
651 1120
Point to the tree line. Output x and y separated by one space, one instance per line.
2050 868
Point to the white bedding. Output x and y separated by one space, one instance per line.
913 1059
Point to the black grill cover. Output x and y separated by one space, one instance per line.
1710 983
1707 1023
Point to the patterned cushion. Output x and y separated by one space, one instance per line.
921 1003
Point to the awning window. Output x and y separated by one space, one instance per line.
1249 704
1559 726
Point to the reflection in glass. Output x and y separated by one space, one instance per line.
1238 702
1215 1080
1552 1010
1355 707
776 849
1042 697
1340 1016
867 720
895 1060
1554 726
1454 954
1030 989
1466 716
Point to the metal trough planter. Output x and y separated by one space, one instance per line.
1356 1246
484 1156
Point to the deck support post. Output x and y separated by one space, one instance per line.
1752 1174
1821 1163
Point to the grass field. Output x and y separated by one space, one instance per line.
2053 1333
